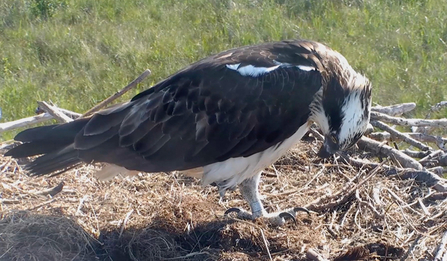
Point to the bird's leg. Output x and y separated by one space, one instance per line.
249 190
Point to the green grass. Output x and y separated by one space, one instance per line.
75 53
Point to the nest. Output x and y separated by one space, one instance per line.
358 213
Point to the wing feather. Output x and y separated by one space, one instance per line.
208 112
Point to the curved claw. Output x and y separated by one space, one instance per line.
230 210
287 215
296 209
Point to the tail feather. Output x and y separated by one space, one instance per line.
64 146
46 139
57 161
55 142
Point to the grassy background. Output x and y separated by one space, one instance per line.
78 52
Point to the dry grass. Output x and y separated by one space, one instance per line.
169 217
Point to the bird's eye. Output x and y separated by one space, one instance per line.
334 139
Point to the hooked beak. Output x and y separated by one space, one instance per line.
328 148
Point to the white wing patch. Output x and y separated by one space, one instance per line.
306 68
250 70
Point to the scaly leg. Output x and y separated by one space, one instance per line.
249 191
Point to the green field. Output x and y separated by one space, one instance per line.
75 53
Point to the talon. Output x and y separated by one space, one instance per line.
287 215
296 209
230 210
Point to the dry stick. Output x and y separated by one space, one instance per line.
265 243
58 115
7 126
439 141
41 204
425 176
341 196
126 219
52 191
69 113
411 248
437 107
400 135
422 137
371 145
394 110
314 256
117 94
441 254
408 122
431 156
380 136
9 201
416 154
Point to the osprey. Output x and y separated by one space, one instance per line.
223 119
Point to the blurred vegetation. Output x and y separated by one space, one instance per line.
75 53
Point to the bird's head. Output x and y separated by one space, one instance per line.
344 110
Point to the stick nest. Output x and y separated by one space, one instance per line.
359 213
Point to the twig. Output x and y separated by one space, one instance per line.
400 135
371 145
411 248
265 243
422 137
69 113
81 204
52 191
25 122
9 201
395 110
313 255
416 154
342 196
439 141
41 204
441 254
117 94
183 257
424 176
437 107
408 122
54 111
126 219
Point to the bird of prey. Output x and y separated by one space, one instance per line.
223 119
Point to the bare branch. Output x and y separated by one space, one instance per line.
25 122
54 111
395 110
373 146
117 94
416 154
408 122
400 135
441 253
425 176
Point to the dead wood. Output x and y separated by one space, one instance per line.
400 135
25 122
54 111
379 148
118 94
408 122
395 110
441 253
422 176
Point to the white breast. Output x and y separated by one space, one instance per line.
231 172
